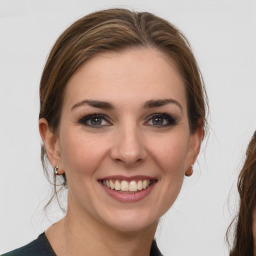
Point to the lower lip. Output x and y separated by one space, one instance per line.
128 197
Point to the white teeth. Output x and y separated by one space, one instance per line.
112 184
139 185
117 185
126 186
133 186
144 184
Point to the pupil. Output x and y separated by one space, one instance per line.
96 121
158 121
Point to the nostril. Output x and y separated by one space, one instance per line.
128 156
128 145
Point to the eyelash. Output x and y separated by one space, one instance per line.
170 121
167 120
84 120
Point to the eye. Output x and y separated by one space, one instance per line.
95 120
161 120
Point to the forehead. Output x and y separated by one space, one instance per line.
133 74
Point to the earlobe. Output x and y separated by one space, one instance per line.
50 141
189 172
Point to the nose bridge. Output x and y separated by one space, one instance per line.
129 146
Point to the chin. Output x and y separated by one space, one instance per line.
129 221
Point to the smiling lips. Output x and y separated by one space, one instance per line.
125 184
128 189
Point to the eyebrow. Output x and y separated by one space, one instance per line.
147 104
94 103
162 102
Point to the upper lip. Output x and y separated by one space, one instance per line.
131 178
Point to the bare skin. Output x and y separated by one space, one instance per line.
72 240
123 114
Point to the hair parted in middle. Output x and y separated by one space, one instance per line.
117 30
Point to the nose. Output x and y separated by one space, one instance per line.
128 146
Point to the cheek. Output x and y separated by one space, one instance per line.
171 157
81 154
171 154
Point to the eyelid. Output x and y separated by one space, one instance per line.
168 120
85 118
171 119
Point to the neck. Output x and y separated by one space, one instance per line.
84 235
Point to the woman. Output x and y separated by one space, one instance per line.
245 233
122 117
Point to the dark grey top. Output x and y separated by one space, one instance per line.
42 247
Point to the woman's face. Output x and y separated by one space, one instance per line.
124 140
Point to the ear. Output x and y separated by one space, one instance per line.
51 143
195 145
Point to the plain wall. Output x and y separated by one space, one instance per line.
222 34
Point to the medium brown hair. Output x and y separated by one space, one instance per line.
243 237
117 30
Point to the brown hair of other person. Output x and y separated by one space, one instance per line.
243 237
116 30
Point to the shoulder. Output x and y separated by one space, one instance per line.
38 247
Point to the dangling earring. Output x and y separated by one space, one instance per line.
56 168
189 172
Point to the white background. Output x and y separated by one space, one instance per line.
223 37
